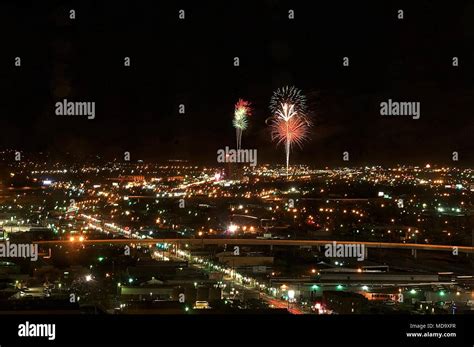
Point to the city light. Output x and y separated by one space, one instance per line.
232 228
159 170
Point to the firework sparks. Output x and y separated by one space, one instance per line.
293 132
290 124
287 102
240 121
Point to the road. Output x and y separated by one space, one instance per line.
275 302
270 242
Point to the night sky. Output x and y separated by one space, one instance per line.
191 62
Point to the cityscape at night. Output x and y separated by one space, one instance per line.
233 168
179 238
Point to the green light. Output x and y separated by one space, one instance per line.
314 287
441 292
365 288
413 291
100 258
186 308
339 287
130 280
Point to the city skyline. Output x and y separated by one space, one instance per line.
208 171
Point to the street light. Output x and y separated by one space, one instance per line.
291 296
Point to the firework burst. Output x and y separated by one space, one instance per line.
240 121
293 132
287 102
290 123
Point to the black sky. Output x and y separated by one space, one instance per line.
191 62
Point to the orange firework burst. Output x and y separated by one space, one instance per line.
294 131
290 124
243 108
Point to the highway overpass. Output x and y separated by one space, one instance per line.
266 242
